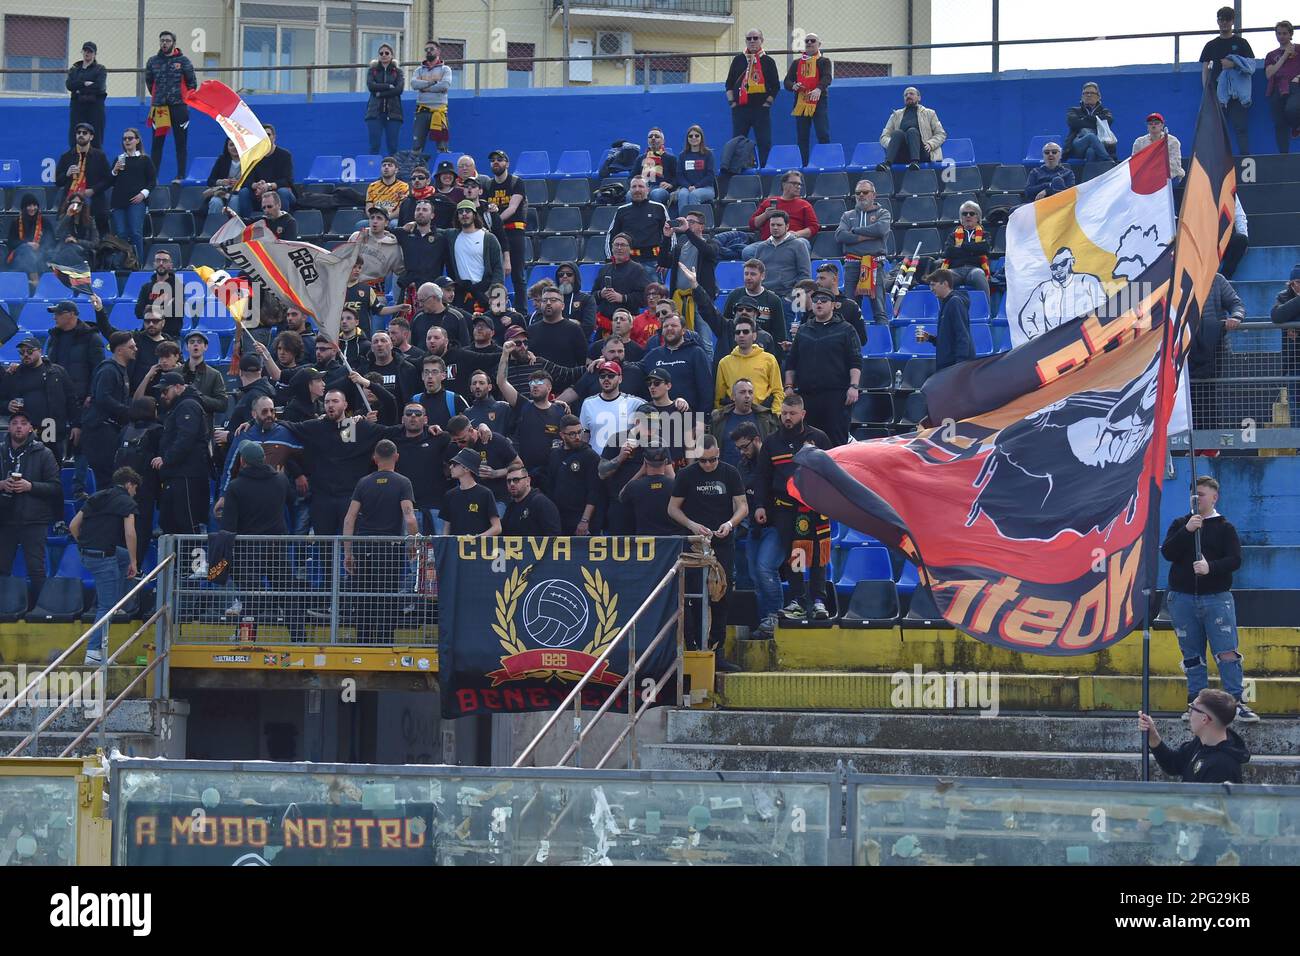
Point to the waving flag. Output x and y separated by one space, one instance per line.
1030 509
233 115
76 279
313 279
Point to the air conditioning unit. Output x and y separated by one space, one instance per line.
611 43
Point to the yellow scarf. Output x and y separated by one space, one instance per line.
805 83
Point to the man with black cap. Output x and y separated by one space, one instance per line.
475 259
109 409
74 346
648 494
825 364
469 508
84 171
147 338
87 85
507 195
571 479
43 392
209 384
536 426
383 505
252 384
529 512
31 498
307 396
182 461
446 194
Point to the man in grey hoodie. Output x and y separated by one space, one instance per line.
431 81
862 233
786 257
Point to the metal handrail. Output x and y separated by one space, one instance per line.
112 706
678 566
67 702
108 615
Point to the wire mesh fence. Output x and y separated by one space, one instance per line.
303 589
1253 391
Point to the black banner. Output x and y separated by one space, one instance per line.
522 619
295 834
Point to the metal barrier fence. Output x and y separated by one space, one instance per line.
222 813
326 590
1251 402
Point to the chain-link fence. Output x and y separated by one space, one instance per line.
285 589
293 46
1251 400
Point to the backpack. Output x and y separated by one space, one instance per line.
619 158
117 255
133 448
610 194
738 155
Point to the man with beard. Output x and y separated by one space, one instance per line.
486 409
421 461
481 356
862 234
424 248
621 282
354 347
440 404
253 384
399 330
536 424
147 339
571 479
432 303
476 260
32 498
770 311
588 384
182 461
555 337
609 412
495 454
167 75
161 288
684 358
529 512
43 392
280 449
506 193
399 376
641 221
796 525
380 254
578 305
83 171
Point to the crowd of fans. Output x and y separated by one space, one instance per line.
646 404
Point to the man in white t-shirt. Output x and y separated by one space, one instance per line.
609 412
476 257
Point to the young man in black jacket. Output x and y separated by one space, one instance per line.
825 364
183 459
1216 755
1203 550
31 496
108 410
84 171
572 481
641 220
255 503
87 83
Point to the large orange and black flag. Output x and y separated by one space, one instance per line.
1031 506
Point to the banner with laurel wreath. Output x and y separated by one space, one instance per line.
519 626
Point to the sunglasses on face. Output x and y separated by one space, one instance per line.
418 178
1051 152
608 375
27 349
564 275
966 214
414 413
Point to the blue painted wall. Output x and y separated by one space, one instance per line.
1000 115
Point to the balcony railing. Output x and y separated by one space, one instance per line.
702 8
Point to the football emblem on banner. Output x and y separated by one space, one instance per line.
555 613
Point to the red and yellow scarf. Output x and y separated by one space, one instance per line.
752 82
805 83
22 228
959 237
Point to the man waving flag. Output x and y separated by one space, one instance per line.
1031 507
232 115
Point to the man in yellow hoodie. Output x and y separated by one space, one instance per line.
749 360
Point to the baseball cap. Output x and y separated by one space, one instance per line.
1295 272
747 302
658 374
171 378
86 126
482 318
467 458
311 374
376 211
1155 116
655 455
516 332
90 45
66 305
610 367
498 154
467 204
198 334
252 452
250 363
821 294
30 340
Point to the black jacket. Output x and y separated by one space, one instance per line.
423 256
1219 546
579 305
824 354
1078 119
243 409
643 222
628 278
79 74
98 175
46 391
146 349
110 397
255 501
137 174
1197 763
776 463
385 86
1286 308
184 445
740 66
572 483
334 465
705 266
44 502
79 351
275 167
954 343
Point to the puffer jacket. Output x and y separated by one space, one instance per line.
79 350
163 75
43 503
385 86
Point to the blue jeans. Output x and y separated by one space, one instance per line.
388 129
216 204
692 196
765 559
1201 617
128 223
243 202
1088 147
110 585
659 194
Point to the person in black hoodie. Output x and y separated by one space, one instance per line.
31 496
182 461
252 384
307 396
825 363
578 305
953 342
1203 550
108 409
136 450
255 503
87 84
1215 755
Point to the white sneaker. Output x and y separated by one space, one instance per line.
235 608
94 658
1246 715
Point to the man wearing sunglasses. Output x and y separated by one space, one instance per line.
913 134
1217 753
431 82
43 392
808 79
529 512
1050 178
752 86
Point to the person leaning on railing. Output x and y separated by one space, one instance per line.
105 534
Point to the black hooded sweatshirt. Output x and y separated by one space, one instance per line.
1197 763
255 501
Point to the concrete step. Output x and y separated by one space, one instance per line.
141 728
52 745
956 763
63 681
130 716
922 731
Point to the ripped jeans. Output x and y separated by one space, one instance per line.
1201 617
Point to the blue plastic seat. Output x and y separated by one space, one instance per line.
541 271
1034 153
782 158
908 346
864 564
908 579
9 350
11 172
67 476
70 566
13 285
979 305
104 285
879 341
325 169
122 316
867 156
982 338
367 167
826 158
134 283
532 164
730 275
573 164
919 303
587 273
958 152
200 169
853 538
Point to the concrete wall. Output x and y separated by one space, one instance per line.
999 114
